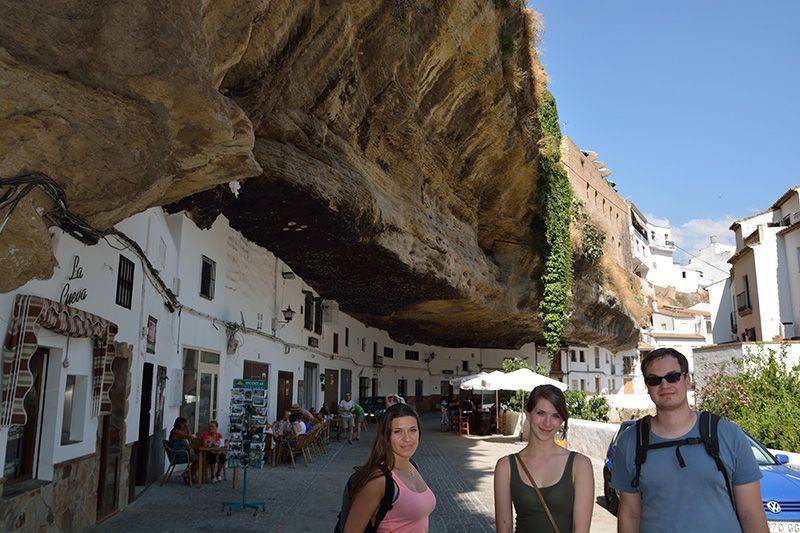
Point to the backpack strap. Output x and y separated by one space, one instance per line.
387 500
709 425
642 444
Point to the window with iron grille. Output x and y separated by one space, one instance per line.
125 282
412 355
388 352
208 276
318 316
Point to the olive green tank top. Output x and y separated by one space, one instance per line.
531 516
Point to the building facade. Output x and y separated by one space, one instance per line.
765 272
133 332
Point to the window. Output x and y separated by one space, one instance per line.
583 385
583 357
200 386
412 355
401 388
683 274
572 357
652 234
308 316
654 265
363 344
346 337
574 384
125 282
465 366
74 409
207 278
388 352
335 343
374 350
318 316
597 358
255 370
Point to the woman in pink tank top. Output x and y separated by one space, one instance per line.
396 440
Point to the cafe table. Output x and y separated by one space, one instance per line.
202 450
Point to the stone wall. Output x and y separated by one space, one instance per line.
590 438
68 503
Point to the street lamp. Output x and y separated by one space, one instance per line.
288 315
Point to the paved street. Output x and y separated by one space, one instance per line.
458 470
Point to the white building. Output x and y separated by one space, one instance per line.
682 329
712 261
653 252
765 272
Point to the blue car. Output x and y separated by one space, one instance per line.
780 486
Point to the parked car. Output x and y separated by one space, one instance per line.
374 407
780 485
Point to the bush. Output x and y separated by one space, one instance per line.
763 397
585 407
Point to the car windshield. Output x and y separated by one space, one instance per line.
762 456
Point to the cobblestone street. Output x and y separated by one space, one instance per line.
458 470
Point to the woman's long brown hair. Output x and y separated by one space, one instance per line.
381 452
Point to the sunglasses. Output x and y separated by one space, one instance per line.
655 381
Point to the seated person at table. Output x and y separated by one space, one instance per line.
315 416
179 439
213 439
297 424
282 426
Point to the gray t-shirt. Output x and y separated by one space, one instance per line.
686 499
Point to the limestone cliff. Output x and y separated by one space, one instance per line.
386 150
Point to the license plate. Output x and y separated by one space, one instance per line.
784 527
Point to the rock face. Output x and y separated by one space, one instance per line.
386 150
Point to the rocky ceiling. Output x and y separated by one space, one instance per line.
386 150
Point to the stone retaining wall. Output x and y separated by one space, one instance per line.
68 503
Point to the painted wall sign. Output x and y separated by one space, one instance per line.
69 295
152 326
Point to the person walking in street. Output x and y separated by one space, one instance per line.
347 409
388 493
682 470
359 414
550 487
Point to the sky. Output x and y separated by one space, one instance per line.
694 105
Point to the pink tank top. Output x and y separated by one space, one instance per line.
410 511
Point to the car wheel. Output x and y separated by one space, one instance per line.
612 498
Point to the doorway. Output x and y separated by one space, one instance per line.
309 397
23 441
285 386
375 386
141 447
363 388
346 382
107 485
331 387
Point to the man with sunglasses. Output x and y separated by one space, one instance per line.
678 485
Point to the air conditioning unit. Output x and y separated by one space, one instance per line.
313 342
377 360
794 218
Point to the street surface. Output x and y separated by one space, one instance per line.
307 499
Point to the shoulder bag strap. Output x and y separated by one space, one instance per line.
538 493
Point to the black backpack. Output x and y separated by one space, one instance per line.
709 438
389 497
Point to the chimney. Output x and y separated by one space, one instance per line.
713 239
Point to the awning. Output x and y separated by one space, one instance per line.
33 312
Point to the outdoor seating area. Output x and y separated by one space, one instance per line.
468 413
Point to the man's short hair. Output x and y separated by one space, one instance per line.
665 352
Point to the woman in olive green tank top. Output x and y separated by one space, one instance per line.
564 479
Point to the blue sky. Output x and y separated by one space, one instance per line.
694 105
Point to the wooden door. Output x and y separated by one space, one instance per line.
285 387
331 387
142 444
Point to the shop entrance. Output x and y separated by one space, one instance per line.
24 441
285 389
331 387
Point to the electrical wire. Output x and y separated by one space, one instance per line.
701 259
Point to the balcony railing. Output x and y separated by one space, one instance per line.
743 302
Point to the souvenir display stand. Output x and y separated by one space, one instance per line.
248 418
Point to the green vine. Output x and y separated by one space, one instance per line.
556 200
593 237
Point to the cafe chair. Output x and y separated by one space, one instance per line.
176 457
